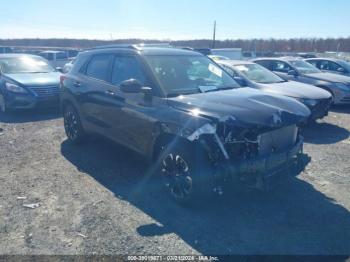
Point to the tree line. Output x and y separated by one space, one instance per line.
258 45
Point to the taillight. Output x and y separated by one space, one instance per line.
62 78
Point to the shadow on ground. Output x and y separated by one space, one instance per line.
295 218
324 133
32 115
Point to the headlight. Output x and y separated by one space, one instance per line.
308 102
342 86
15 88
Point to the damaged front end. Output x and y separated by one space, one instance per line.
255 156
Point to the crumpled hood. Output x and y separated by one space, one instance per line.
331 77
246 106
36 79
296 89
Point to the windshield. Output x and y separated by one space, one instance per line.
189 74
304 67
259 74
24 64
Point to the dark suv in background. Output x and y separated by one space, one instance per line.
183 112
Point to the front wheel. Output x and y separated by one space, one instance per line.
72 125
186 172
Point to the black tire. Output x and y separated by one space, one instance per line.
72 125
187 172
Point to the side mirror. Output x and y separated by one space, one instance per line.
292 73
131 86
341 70
240 81
59 69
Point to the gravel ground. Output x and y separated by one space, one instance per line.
96 199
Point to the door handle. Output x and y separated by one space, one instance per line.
77 84
114 95
110 93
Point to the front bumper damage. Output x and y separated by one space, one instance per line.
261 172
258 172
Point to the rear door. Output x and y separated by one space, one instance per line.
91 91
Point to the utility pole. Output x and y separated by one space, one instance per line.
214 35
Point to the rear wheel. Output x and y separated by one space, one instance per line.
186 172
72 125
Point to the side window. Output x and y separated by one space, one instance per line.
280 66
125 68
335 67
50 56
266 64
324 65
61 56
98 67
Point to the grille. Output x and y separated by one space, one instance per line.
46 91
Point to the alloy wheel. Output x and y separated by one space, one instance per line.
178 177
71 124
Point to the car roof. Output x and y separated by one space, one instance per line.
324 58
282 58
236 62
51 52
144 50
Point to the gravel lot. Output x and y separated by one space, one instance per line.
96 199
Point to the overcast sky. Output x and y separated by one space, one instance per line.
174 19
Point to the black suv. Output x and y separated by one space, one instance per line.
186 114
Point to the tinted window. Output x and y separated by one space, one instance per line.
61 55
264 63
330 66
280 66
125 68
98 67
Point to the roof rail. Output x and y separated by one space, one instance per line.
132 46
127 46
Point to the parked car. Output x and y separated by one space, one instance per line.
256 76
291 68
57 59
331 65
27 81
182 111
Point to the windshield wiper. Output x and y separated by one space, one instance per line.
220 88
